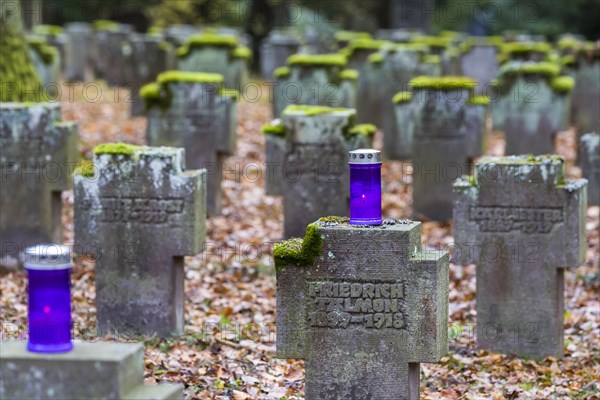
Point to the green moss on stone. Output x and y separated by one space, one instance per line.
443 83
49 30
568 60
346 36
334 219
402 97
19 80
479 101
540 68
298 252
349 74
191 77
242 52
276 127
234 94
47 53
495 41
206 40
525 47
419 47
375 58
318 60
313 110
84 168
120 148
562 84
362 129
432 41
105 25
432 59
569 43
281 72
364 44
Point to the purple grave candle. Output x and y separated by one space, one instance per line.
365 187
49 268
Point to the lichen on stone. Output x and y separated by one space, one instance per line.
364 44
402 97
418 47
318 60
314 110
349 74
206 40
298 252
276 127
363 129
282 72
120 148
443 83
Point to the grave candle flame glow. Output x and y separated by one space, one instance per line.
49 319
365 187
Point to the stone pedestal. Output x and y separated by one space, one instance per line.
139 212
107 57
522 223
586 94
38 155
480 63
363 306
90 371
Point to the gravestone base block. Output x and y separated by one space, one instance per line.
91 371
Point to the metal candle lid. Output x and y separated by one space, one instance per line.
364 156
49 256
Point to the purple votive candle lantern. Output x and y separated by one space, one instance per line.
365 187
49 318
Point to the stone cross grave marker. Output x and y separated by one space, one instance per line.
99 370
78 64
315 79
275 50
480 63
522 223
193 111
589 159
215 53
144 57
38 153
531 106
107 58
446 130
586 93
363 306
314 177
139 212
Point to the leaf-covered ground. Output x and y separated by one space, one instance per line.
228 347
